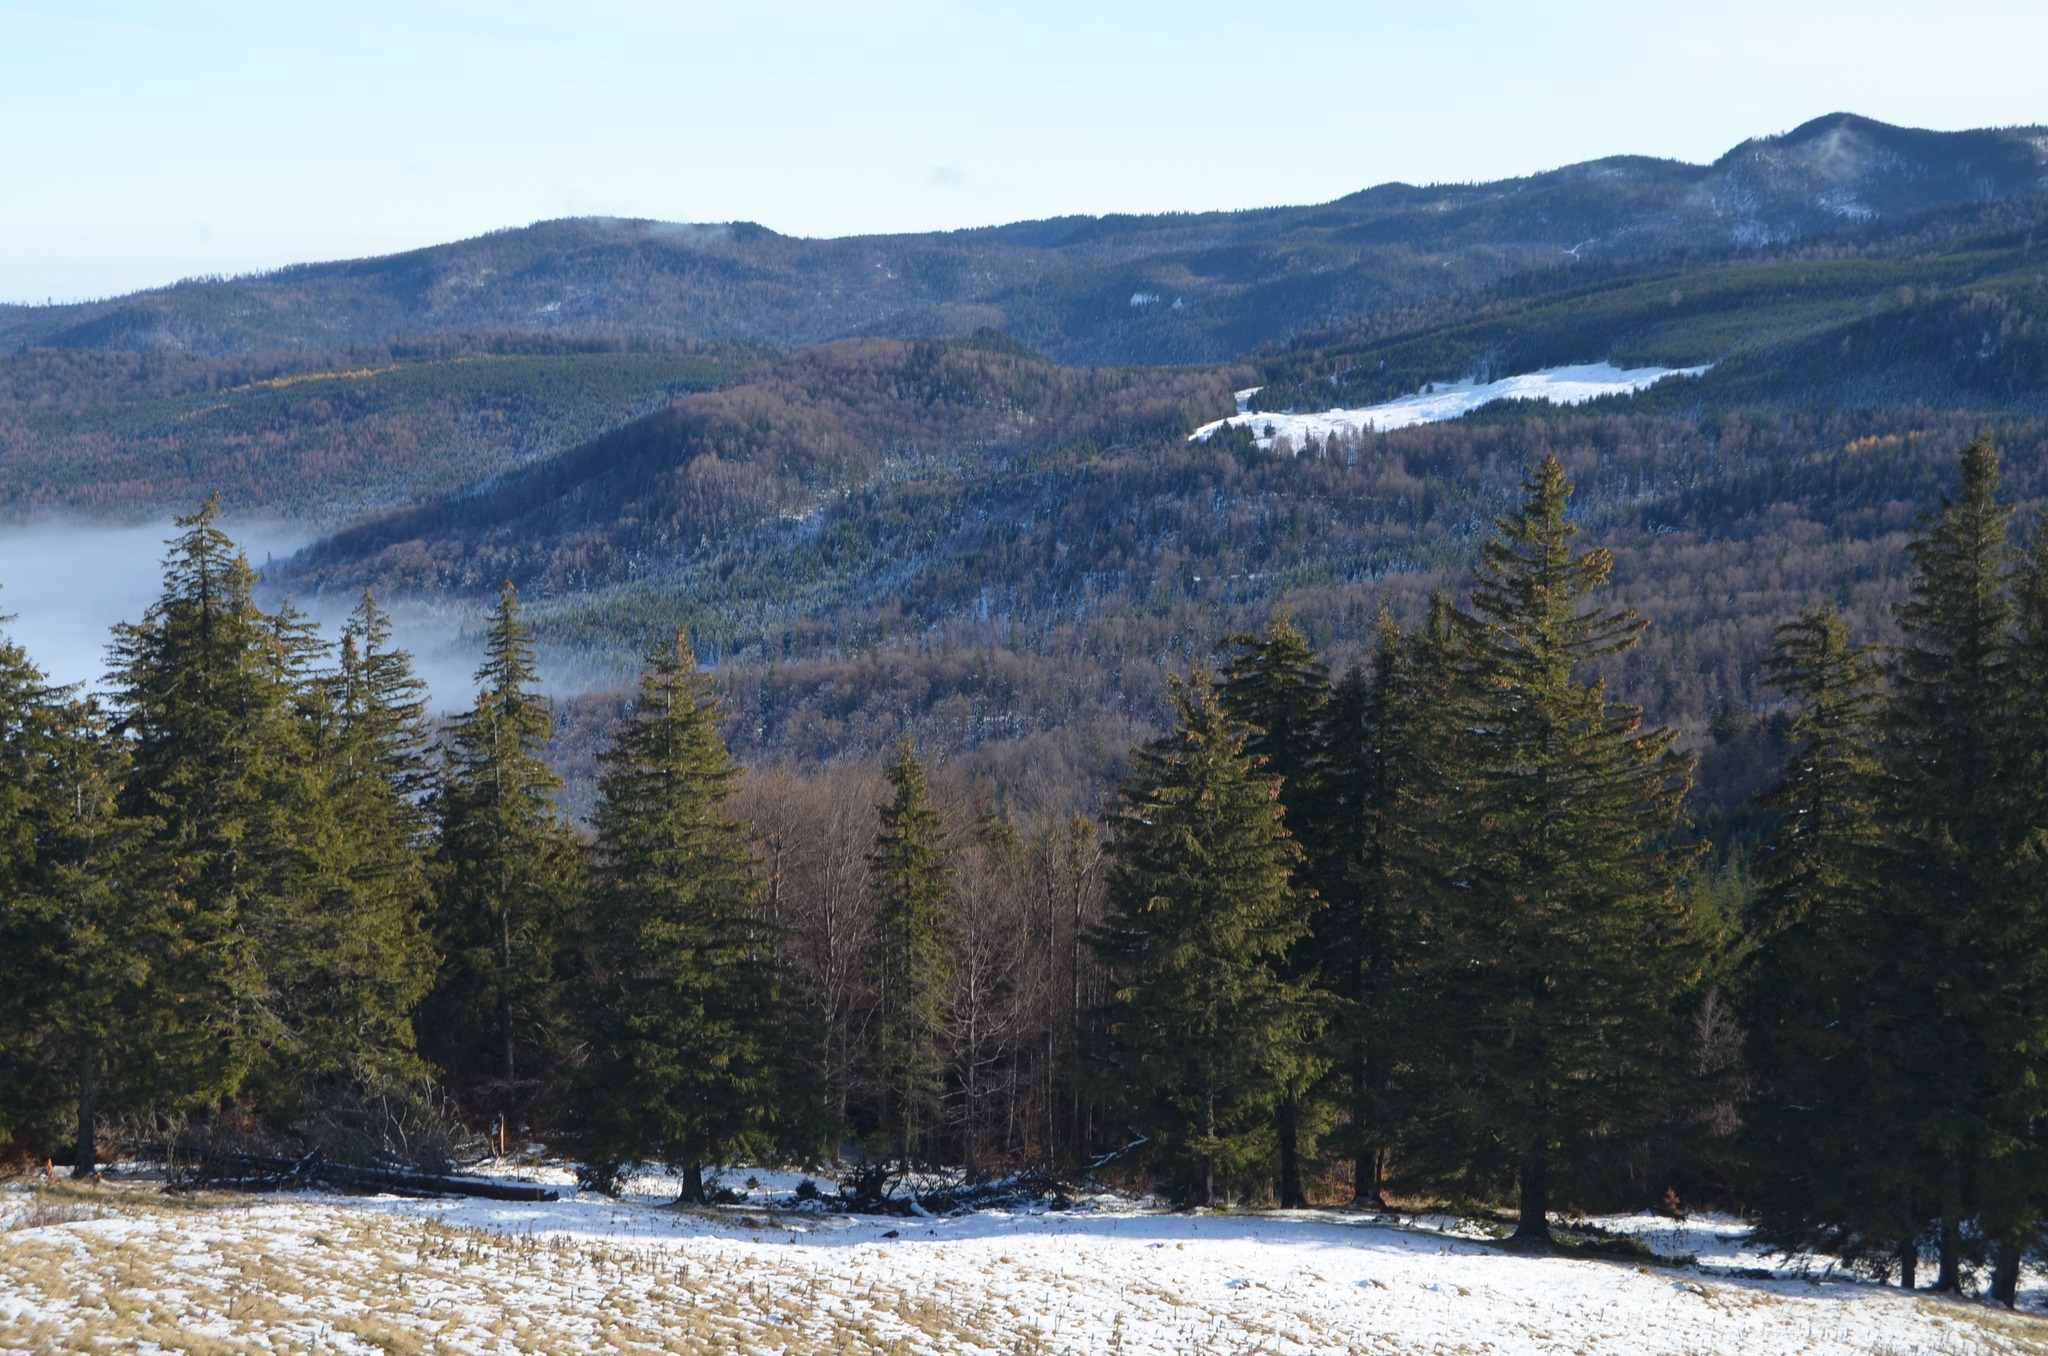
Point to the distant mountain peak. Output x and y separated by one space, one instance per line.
1844 169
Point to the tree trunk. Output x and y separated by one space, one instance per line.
1909 1263
1534 1225
693 1184
1949 1278
2005 1274
1368 1172
1290 1192
1362 1185
903 1132
505 1009
1202 1190
1368 1168
86 1163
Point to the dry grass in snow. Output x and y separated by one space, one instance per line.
127 1269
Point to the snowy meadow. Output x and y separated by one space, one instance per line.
125 1267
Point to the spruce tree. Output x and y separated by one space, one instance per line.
2024 1170
1560 954
76 952
31 1091
677 1005
1820 1137
374 959
1206 1032
1963 944
505 873
205 688
1380 733
27 702
1274 686
910 958
381 708
110 933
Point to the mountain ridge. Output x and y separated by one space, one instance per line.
1122 288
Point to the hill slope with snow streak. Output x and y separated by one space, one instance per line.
1447 400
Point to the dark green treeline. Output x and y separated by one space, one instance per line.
1436 928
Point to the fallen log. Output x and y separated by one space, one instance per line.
265 1172
483 1188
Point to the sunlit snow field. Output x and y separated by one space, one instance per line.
131 1269
1448 400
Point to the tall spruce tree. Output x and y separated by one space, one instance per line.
1206 1032
1380 731
27 702
1559 958
505 872
206 689
375 959
109 935
1275 687
1963 942
911 957
293 955
31 1088
1820 1138
75 952
2024 1170
677 1005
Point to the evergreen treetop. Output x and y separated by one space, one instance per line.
1276 688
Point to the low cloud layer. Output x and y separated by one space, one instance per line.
66 585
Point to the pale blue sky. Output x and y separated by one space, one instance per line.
146 142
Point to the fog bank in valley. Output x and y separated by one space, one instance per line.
64 586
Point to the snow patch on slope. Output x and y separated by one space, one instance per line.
1449 400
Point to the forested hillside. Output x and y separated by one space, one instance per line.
1948 313
321 436
782 452
968 542
1199 287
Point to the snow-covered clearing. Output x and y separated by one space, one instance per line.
129 1269
1449 400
